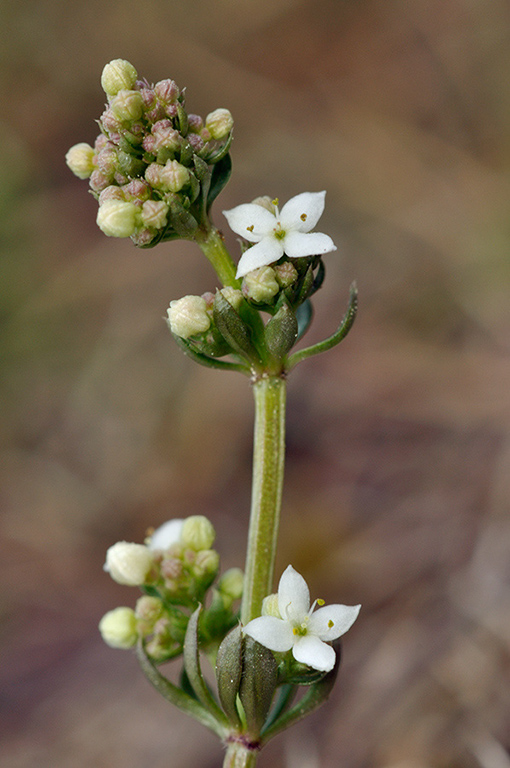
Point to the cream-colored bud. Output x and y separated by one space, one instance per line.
219 123
270 606
198 533
119 74
119 628
149 608
117 219
129 563
260 285
173 176
188 316
233 295
80 160
207 562
154 214
127 105
231 583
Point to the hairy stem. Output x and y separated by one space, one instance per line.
268 468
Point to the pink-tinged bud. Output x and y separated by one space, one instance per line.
154 214
99 181
109 121
167 91
143 237
136 190
171 110
196 141
148 98
188 316
111 193
80 160
118 75
117 219
219 123
156 113
101 142
153 175
127 105
106 160
173 176
195 123
166 136
149 144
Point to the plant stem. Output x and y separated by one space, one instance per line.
212 245
268 468
240 756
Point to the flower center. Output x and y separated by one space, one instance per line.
301 629
279 233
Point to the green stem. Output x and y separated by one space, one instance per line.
239 755
268 467
213 246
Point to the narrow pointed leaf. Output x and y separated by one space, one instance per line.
220 176
258 684
232 327
281 331
210 362
336 338
176 696
314 697
191 656
304 315
229 668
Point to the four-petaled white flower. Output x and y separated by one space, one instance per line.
276 233
300 628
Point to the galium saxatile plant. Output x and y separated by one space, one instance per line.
155 170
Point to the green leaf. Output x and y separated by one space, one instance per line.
220 176
233 328
229 667
336 338
281 331
210 362
315 695
178 697
304 315
192 666
258 684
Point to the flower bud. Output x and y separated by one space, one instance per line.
119 628
198 533
188 316
113 192
231 583
195 123
173 176
80 160
219 123
270 606
206 563
167 91
286 273
136 190
149 609
154 214
129 564
118 75
233 295
117 219
127 105
260 285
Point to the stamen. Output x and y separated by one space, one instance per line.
320 601
303 217
331 623
250 228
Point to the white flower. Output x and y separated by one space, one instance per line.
167 534
276 233
300 628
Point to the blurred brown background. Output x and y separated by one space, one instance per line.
398 441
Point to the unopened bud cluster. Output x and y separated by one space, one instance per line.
175 568
220 324
151 166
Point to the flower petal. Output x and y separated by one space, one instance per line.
297 244
302 212
253 222
312 651
332 621
167 534
293 596
266 252
275 634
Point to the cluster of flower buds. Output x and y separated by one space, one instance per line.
154 168
175 568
